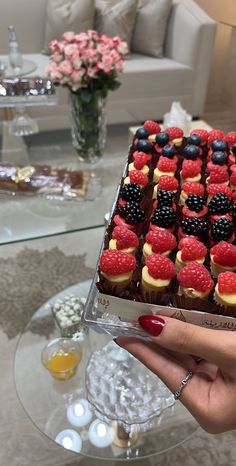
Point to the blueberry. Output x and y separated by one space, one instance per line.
169 151
142 133
219 158
218 145
191 152
233 148
162 138
144 146
194 139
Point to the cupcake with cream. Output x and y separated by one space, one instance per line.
157 273
124 240
164 166
190 249
140 160
136 177
117 268
194 281
223 258
190 188
191 171
225 290
159 241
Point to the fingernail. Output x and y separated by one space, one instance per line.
152 324
115 341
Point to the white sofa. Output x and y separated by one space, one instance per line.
149 85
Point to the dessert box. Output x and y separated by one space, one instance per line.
115 310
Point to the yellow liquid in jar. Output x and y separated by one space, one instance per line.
63 365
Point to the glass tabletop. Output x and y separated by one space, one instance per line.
33 217
48 401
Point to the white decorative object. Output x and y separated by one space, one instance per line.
78 413
69 439
101 435
178 117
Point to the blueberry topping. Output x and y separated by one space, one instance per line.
144 146
218 145
162 138
142 133
169 151
219 158
194 139
191 152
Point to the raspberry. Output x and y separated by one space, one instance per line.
175 133
215 134
203 133
195 276
218 174
227 282
190 168
186 241
138 177
139 154
230 138
233 179
139 162
168 183
166 165
161 240
160 267
216 188
193 250
152 126
193 188
224 254
114 262
125 238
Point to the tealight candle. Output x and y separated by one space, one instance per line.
78 413
100 434
69 439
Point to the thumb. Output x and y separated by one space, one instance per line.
216 346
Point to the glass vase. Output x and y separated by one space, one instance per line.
88 124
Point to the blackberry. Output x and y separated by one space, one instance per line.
164 198
169 151
233 148
219 204
191 152
132 213
221 229
194 139
234 211
194 202
162 138
219 158
131 192
194 226
144 146
142 133
218 145
164 217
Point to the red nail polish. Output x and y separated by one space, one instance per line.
152 324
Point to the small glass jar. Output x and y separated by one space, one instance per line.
61 358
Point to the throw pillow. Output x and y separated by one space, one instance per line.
67 15
150 27
116 18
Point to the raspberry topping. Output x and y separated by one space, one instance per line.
195 276
230 138
168 183
203 133
161 240
138 177
124 237
227 282
175 133
215 134
152 126
190 168
160 267
193 250
224 254
193 188
166 165
215 188
139 154
114 262
233 179
218 174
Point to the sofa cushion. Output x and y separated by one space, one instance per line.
116 18
150 27
67 15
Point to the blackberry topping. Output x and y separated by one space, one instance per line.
194 139
164 198
169 151
142 133
221 229
233 148
144 146
194 202
234 211
131 192
219 204
132 213
194 226
164 217
219 158
191 152
218 145
162 138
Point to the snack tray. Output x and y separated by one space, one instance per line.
118 316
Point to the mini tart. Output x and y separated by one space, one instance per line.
112 245
158 173
192 293
147 251
217 268
225 299
121 281
144 170
179 263
194 179
153 284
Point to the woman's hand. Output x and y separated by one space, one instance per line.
177 347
